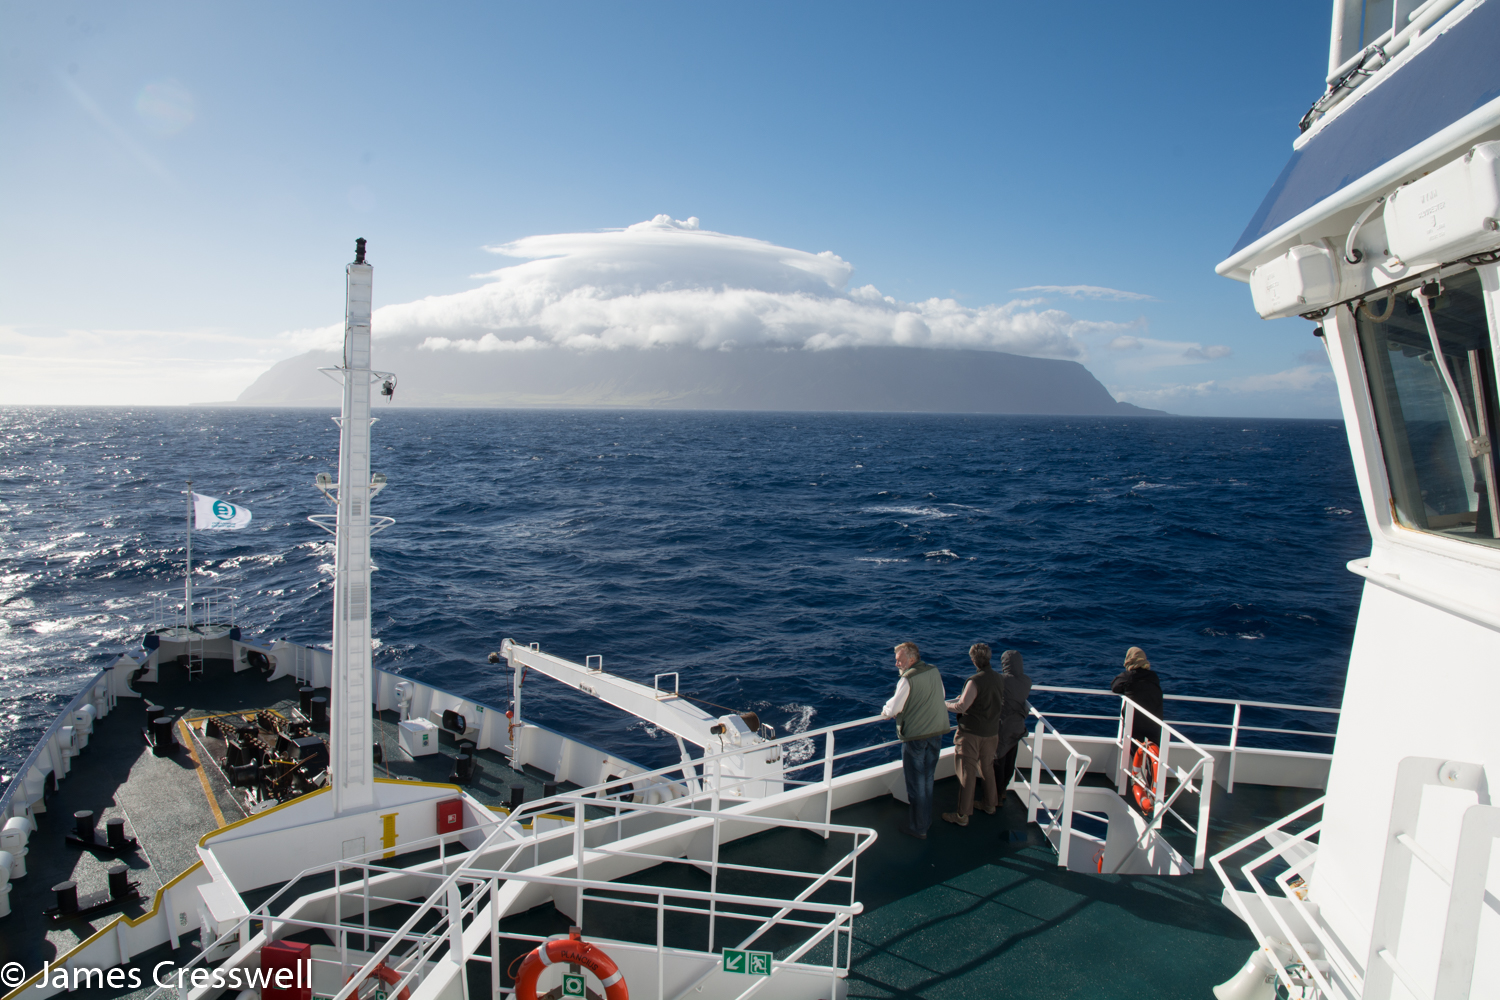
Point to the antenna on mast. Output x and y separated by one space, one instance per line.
359 250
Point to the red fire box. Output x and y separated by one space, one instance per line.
450 815
295 957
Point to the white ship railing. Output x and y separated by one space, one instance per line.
1236 727
447 899
1197 778
1059 821
1298 945
1299 853
447 902
212 608
1202 770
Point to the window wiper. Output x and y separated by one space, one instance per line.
1478 444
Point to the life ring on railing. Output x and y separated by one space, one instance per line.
1143 783
382 973
573 950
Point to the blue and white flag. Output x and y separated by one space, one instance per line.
211 514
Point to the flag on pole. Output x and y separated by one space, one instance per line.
210 513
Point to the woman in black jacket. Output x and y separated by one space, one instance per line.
1141 685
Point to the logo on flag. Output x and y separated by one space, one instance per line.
211 513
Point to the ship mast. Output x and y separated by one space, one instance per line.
351 737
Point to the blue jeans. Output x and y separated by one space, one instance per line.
919 763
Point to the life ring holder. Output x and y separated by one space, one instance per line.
1147 759
387 975
573 950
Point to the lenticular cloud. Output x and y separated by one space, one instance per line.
671 283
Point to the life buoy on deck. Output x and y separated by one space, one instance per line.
1143 775
575 951
382 973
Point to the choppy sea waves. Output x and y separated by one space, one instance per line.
771 559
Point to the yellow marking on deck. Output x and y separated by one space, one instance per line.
208 793
388 833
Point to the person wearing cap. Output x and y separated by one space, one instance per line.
921 720
978 709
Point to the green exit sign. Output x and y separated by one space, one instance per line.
749 963
572 985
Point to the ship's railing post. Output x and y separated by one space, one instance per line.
827 781
1127 744
661 946
713 871
1234 743
579 819
1038 741
1205 798
1160 789
456 926
1070 781
338 921
365 944
494 939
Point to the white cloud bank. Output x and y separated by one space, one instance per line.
670 282
1303 379
1096 292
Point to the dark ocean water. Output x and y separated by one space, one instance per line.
773 559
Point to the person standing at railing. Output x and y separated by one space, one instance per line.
1141 685
1012 718
921 720
978 709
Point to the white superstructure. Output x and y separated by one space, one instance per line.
1383 232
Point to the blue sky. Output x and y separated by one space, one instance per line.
184 181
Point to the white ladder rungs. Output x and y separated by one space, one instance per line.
1423 855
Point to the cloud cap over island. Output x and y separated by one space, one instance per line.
670 282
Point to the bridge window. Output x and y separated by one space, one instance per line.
1437 447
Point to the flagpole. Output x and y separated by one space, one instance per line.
187 584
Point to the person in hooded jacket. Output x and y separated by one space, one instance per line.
1141 685
1012 717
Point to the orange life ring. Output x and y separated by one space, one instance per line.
575 951
1144 784
387 975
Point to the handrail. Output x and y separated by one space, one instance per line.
1331 951
1062 820
1235 726
581 823
462 873
1193 697
593 794
626 785
1161 804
